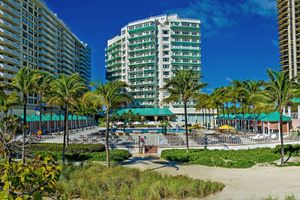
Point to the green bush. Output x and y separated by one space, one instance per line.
98 182
72 148
288 148
222 158
80 152
28 181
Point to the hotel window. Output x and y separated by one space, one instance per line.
165 38
166 66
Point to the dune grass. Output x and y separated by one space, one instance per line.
95 181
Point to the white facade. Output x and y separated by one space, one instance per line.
147 52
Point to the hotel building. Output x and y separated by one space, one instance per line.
289 35
31 35
148 52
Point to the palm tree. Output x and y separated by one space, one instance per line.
112 97
93 103
24 82
252 89
65 91
42 85
203 101
279 91
8 101
184 86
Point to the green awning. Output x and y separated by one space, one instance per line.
295 100
147 111
274 117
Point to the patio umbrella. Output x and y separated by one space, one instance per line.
226 127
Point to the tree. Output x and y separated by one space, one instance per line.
279 91
42 85
112 97
184 86
65 90
24 82
252 89
8 102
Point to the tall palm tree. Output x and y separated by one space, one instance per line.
203 102
252 89
112 97
184 86
24 82
279 91
65 90
42 85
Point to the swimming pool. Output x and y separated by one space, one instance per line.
149 130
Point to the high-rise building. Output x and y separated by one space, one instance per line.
289 35
148 52
32 35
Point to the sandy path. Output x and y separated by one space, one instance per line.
241 184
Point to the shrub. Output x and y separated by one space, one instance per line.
72 148
79 152
28 181
222 158
95 181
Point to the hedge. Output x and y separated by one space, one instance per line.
78 152
72 148
222 158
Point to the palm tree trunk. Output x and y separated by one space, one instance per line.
281 139
106 139
186 127
41 114
51 118
24 127
209 118
214 119
65 135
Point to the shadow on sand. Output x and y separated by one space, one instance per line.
147 160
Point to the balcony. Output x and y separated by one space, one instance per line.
142 29
6 75
185 48
46 60
44 27
9 34
9 8
189 28
142 44
142 57
8 68
9 17
48 23
9 26
47 67
9 43
11 52
143 63
47 36
133 38
9 59
48 54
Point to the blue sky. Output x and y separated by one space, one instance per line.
239 37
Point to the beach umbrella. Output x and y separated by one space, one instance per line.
226 127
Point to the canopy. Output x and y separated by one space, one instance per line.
226 127
275 117
47 117
295 100
147 111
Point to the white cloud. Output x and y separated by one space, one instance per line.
228 79
217 14
263 8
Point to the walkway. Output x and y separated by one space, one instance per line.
241 184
